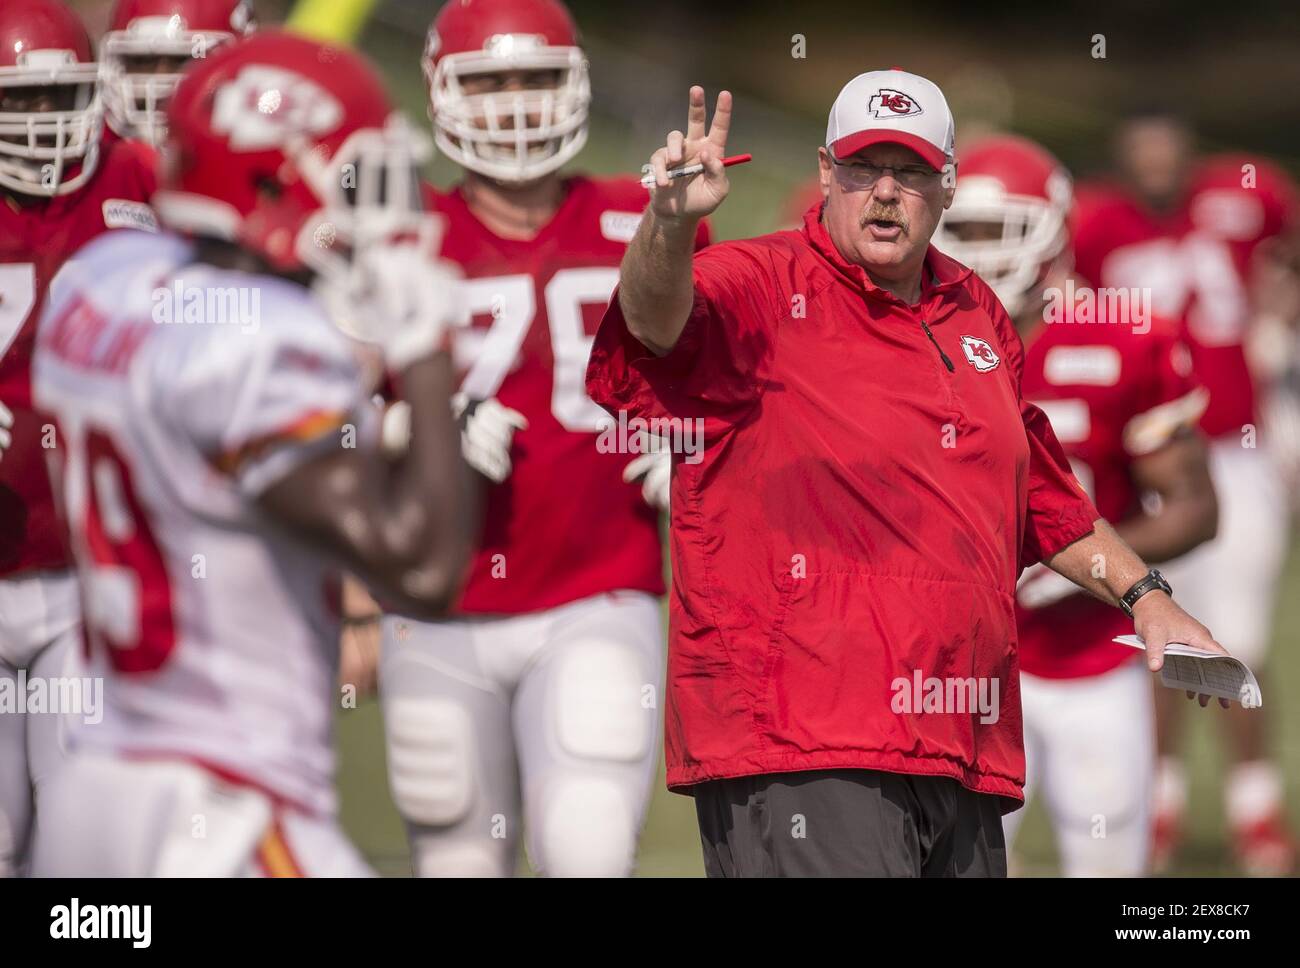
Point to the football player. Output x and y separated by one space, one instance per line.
146 47
60 186
535 705
1117 388
218 471
1192 232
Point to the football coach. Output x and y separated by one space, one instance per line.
842 685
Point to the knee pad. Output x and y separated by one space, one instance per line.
600 712
430 759
587 828
438 856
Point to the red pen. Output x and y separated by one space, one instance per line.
648 178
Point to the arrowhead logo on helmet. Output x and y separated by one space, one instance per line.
979 354
887 103
264 107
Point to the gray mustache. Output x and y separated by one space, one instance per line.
888 213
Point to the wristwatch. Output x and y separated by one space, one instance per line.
1154 581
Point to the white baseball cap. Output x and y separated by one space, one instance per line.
892 107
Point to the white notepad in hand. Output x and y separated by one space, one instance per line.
1211 673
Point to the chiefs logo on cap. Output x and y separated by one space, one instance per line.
979 353
887 103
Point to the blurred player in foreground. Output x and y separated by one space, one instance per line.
1193 234
538 701
146 47
61 185
219 470
1117 388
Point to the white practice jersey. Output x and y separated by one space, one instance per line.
180 392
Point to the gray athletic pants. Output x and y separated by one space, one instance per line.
848 823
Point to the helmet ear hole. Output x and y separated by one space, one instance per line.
269 188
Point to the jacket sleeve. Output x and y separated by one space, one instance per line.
717 369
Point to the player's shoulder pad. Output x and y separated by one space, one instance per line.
128 152
615 203
256 327
110 251
621 201
129 168
285 309
108 259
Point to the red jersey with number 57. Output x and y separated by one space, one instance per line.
36 238
1113 394
564 525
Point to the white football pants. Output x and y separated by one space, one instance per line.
1090 751
105 816
39 634
548 720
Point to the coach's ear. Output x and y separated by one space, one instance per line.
824 171
949 177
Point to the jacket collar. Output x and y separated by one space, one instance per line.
941 276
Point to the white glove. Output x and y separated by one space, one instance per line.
6 421
655 465
1040 586
487 431
395 296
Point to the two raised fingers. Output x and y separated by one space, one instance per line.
679 144
695 117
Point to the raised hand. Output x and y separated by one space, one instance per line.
694 196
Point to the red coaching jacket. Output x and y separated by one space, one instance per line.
845 549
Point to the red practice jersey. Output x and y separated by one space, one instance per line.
564 525
1113 395
36 237
1196 262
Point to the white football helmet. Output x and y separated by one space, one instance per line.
135 100
510 135
1008 219
50 116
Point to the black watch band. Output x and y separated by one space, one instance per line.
1154 581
